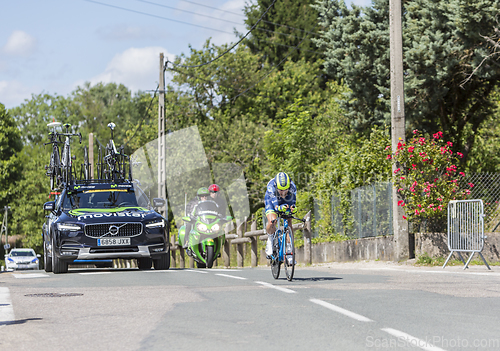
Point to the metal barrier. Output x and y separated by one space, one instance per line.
466 229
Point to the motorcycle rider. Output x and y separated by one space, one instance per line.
218 197
280 196
203 196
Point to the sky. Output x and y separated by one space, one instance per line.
54 46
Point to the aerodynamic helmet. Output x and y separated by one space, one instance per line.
282 181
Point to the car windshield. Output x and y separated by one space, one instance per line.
102 198
21 253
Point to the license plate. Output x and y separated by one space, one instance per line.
22 266
113 241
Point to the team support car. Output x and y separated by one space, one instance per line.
22 259
106 220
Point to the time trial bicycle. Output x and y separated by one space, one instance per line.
66 159
113 164
54 166
283 246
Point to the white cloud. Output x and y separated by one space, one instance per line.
13 93
136 68
20 44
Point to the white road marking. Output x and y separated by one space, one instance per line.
93 273
341 310
161 271
411 340
6 309
196 271
267 285
230 276
30 275
224 270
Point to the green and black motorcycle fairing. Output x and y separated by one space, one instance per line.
207 234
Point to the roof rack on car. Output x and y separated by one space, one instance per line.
100 181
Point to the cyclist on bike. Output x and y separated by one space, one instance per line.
280 196
218 197
203 195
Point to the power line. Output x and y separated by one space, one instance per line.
213 8
219 19
143 118
191 12
271 70
156 16
232 47
239 14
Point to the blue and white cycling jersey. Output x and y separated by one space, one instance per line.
272 199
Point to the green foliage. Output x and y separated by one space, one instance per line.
31 192
354 162
292 147
232 126
286 24
10 163
442 45
426 176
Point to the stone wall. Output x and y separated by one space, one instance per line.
436 245
381 248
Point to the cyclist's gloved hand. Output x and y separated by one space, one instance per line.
282 208
293 209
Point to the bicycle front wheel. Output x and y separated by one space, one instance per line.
289 259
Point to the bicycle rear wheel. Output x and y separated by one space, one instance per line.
275 267
289 254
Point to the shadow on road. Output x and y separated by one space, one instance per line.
315 279
20 321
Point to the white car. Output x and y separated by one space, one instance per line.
22 259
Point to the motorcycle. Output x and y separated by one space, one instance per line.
207 236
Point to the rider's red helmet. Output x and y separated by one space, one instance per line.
214 188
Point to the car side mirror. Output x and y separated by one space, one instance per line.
186 219
38 255
49 206
158 202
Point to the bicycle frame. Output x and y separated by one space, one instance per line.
278 235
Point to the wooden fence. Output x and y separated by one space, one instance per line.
238 239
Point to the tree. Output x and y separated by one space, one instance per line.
10 163
31 192
442 43
33 115
287 24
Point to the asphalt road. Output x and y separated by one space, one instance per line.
360 306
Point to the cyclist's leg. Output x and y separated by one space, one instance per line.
270 229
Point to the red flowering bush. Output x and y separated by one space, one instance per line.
426 176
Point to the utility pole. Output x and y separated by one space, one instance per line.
161 137
400 225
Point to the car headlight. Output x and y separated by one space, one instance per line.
156 224
201 227
216 227
68 227
35 260
10 259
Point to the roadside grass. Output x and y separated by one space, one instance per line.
426 260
